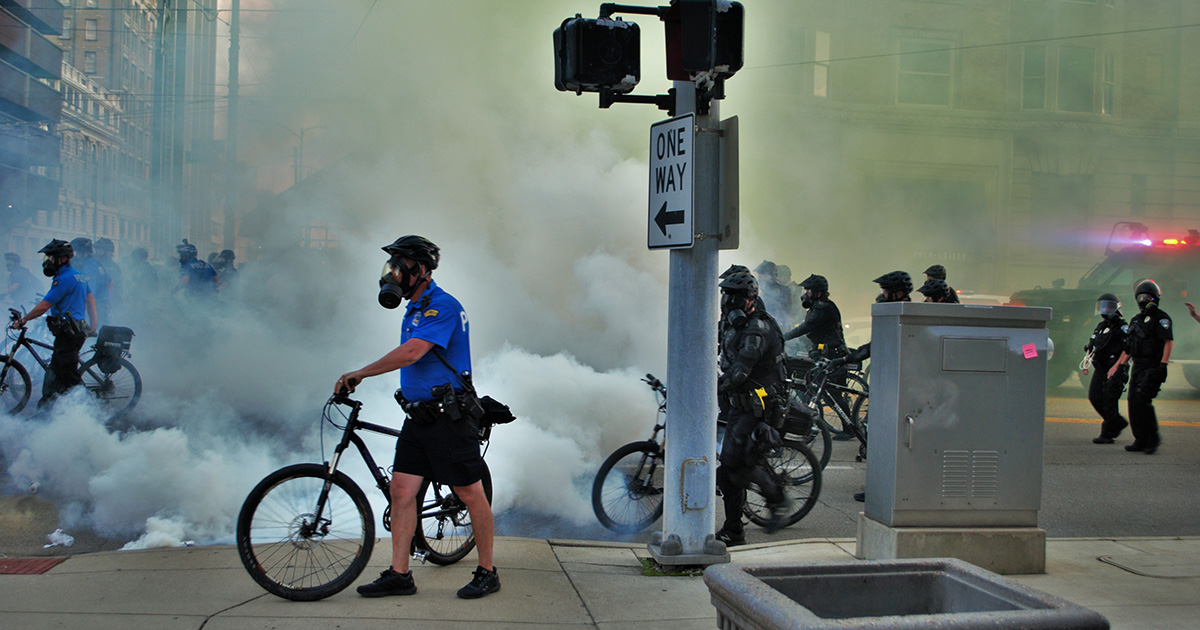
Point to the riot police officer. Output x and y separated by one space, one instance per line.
752 381
1104 348
823 322
1149 345
195 275
938 272
936 290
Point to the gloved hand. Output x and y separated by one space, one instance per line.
1162 373
837 363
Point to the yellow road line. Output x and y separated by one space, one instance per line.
1161 423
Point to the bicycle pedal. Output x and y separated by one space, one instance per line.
420 556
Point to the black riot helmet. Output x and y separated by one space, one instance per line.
895 281
934 289
400 279
1147 292
1107 305
82 246
936 271
55 251
816 284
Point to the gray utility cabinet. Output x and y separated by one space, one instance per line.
957 413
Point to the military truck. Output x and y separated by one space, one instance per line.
1131 255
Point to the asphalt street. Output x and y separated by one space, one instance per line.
1088 490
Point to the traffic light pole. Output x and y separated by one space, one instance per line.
689 501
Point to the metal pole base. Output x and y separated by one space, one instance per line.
669 552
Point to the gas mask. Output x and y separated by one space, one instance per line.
807 300
1144 300
50 267
397 282
1106 308
733 304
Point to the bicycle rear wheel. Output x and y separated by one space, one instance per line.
627 495
14 385
796 469
119 392
298 547
444 530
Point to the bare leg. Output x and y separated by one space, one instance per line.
404 489
482 523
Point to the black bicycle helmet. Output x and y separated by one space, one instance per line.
58 249
936 271
186 248
1148 287
741 282
896 281
734 269
934 288
82 246
105 245
415 248
816 283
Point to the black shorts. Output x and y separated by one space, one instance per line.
434 451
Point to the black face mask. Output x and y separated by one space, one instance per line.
1144 302
50 268
806 302
736 318
881 298
392 291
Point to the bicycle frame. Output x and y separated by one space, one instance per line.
822 391
349 436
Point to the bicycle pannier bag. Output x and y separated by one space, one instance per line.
111 344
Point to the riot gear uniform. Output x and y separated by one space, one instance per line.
1148 344
823 322
752 383
1105 347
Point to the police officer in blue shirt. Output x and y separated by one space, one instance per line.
68 301
437 441
195 275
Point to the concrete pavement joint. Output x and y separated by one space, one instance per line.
587 609
239 604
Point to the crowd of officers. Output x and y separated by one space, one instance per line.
88 288
752 384
751 390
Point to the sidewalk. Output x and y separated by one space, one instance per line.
546 584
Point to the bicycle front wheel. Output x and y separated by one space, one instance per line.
444 530
301 543
795 468
14 385
119 392
627 495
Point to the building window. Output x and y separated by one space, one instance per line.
924 74
90 30
66 29
89 62
1076 79
91 4
821 67
1033 78
1108 87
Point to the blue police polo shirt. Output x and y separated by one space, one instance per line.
439 319
68 293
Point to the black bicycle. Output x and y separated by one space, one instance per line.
306 531
118 389
627 494
815 385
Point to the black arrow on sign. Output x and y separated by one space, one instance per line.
664 218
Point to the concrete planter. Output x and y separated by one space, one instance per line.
885 595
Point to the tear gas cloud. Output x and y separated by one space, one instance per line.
440 119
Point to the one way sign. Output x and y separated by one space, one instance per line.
671 165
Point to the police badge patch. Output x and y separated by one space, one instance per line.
1166 324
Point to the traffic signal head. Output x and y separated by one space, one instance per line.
591 55
703 36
